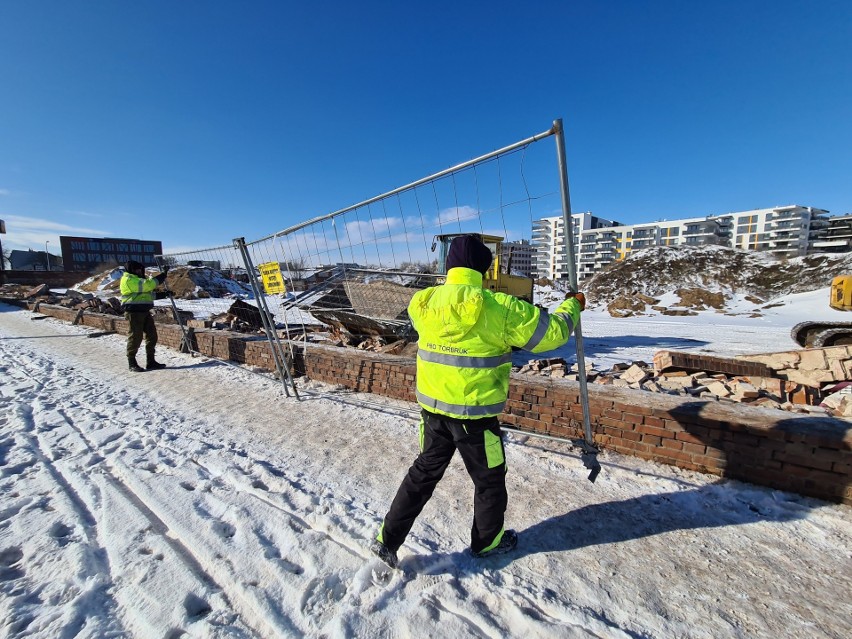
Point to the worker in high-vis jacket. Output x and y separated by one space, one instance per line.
466 336
137 300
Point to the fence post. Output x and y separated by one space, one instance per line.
590 451
268 323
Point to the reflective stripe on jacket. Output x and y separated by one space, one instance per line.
466 337
137 293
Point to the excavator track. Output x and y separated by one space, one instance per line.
822 334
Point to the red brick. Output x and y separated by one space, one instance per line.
689 437
652 440
659 432
694 448
650 420
672 456
633 418
632 408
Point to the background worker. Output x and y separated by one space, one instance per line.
137 300
466 336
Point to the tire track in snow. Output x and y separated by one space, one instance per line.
215 568
94 555
108 471
320 596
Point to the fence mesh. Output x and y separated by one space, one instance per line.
348 276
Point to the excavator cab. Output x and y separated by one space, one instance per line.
498 278
820 334
841 293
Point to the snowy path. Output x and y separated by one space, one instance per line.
199 500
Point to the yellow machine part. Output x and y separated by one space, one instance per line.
841 293
511 284
495 279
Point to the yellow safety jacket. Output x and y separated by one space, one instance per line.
137 293
466 335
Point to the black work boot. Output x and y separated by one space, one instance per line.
153 365
507 542
134 367
384 553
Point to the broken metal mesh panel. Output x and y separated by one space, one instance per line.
352 273
356 270
206 282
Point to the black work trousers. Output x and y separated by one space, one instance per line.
139 325
480 443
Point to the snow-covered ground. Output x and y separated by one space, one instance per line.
199 501
608 340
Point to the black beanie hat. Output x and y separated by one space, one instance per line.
132 266
468 251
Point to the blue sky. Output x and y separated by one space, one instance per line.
196 122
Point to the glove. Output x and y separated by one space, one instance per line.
579 297
161 277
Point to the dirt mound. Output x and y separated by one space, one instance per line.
633 304
185 282
707 275
700 299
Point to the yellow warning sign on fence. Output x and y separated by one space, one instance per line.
273 282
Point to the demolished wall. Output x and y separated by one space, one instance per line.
811 366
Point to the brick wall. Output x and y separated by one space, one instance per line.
805 454
54 279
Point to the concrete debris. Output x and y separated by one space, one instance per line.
756 381
241 318
634 375
41 289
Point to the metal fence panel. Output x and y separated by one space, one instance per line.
350 274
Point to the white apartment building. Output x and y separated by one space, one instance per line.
548 240
786 231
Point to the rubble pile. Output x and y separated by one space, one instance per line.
240 317
185 282
28 292
88 302
400 347
832 398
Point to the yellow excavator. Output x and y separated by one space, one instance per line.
499 277
821 334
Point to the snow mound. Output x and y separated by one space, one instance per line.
656 271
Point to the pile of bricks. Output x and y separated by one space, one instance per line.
802 383
90 303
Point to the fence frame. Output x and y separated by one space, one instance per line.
278 350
